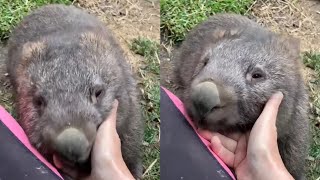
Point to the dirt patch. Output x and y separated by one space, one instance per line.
6 99
3 57
167 66
128 19
300 19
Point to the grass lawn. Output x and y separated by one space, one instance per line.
312 60
11 12
149 73
179 16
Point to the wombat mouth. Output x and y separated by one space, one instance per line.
222 125
69 167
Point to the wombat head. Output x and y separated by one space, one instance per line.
229 75
66 92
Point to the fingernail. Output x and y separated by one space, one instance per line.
278 94
215 139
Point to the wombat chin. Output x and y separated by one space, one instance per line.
222 126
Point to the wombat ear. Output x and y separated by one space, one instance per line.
203 60
90 38
219 33
292 44
97 90
30 49
222 33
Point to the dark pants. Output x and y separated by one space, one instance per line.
183 155
17 161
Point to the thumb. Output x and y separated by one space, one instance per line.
111 120
264 130
269 114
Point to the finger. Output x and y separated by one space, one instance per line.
64 168
111 119
234 136
227 142
247 135
241 150
113 114
225 155
270 111
70 172
107 131
205 134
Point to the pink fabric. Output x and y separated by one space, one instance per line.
16 129
181 108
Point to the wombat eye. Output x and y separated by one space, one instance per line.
257 75
39 102
205 62
96 94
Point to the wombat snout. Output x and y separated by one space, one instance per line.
213 104
73 145
205 98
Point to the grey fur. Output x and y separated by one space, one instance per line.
222 50
65 55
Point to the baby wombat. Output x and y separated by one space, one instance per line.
67 70
229 66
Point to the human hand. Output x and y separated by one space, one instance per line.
254 155
107 161
106 158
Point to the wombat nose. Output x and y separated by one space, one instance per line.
205 97
73 145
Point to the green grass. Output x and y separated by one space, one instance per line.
179 16
149 73
12 11
312 60
6 101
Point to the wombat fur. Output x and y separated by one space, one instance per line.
67 69
246 64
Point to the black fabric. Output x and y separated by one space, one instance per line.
17 162
183 155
